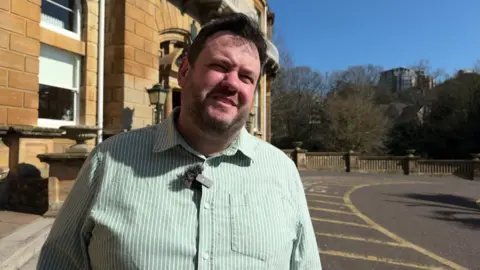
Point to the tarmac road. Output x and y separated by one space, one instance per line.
382 221
443 218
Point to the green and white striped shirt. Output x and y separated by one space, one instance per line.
129 210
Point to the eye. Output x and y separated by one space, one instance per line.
218 67
246 78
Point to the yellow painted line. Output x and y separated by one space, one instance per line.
355 238
342 222
327 202
322 195
331 210
478 203
372 223
376 259
340 185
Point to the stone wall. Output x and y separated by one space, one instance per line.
132 57
19 51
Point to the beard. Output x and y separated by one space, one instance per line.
198 112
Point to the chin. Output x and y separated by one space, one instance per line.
221 115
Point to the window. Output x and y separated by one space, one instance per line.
63 16
59 81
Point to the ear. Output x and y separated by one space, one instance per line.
183 71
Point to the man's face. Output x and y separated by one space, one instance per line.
218 90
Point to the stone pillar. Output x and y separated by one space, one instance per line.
352 162
64 167
476 167
63 171
300 156
410 166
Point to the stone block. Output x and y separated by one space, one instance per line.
134 68
10 97
4 37
36 2
28 194
129 52
118 94
30 100
150 21
25 45
133 96
91 64
12 60
91 78
143 58
33 29
26 9
5 5
142 84
23 81
31 65
151 73
134 40
130 24
146 6
134 13
143 111
114 109
22 116
3 116
92 50
91 93
144 31
12 22
3 77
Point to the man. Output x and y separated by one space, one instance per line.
130 207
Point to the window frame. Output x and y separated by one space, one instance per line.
77 10
54 123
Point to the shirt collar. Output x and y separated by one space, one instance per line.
167 136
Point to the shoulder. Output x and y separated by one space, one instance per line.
267 153
135 139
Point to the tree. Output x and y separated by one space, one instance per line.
352 119
296 94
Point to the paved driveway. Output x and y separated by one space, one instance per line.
375 221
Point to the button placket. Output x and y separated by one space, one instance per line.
205 219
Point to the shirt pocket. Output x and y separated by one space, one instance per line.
261 225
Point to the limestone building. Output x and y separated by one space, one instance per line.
51 76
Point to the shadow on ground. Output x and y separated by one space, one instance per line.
451 208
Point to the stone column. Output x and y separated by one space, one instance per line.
410 166
352 161
476 167
300 156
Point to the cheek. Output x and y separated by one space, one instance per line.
246 96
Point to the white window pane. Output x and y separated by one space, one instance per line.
59 13
58 68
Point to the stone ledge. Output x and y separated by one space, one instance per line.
62 157
32 131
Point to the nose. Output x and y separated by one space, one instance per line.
231 81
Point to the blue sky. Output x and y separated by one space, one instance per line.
334 34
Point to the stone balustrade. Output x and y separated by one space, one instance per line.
408 164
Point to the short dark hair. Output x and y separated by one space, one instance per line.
237 23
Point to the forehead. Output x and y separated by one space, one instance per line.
232 46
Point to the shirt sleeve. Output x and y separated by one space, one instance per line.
67 244
305 254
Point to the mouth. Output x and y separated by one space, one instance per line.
225 101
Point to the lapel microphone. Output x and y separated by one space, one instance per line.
193 178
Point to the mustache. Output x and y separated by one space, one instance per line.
224 92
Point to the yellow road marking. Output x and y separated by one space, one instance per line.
478 203
374 225
322 195
341 222
327 202
376 259
355 238
340 185
331 210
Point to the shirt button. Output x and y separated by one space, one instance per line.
206 206
206 256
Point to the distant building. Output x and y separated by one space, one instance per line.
401 78
464 71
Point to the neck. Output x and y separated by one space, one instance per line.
204 142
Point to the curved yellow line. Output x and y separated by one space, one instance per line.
372 223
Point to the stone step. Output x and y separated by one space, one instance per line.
21 246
